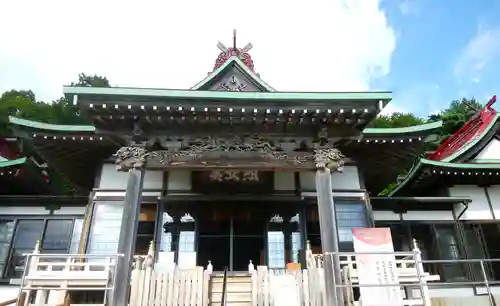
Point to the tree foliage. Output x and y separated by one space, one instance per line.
397 120
23 104
91 81
456 115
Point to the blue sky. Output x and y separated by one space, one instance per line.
445 50
427 52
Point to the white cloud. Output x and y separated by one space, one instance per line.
409 7
330 46
478 54
420 99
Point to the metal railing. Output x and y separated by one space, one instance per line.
223 301
419 278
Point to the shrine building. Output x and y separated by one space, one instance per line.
225 172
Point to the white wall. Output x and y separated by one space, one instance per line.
348 179
479 208
113 179
179 180
284 180
491 151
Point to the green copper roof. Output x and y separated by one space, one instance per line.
234 60
51 127
473 143
229 95
411 129
14 162
90 128
441 164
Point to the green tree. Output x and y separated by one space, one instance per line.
91 81
396 120
456 115
23 104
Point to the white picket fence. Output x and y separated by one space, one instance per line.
178 287
288 287
50 281
192 287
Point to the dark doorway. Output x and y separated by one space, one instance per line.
214 241
248 242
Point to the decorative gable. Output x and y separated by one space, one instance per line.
234 80
233 83
233 71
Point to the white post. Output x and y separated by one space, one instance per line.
419 265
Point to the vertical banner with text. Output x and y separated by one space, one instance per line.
375 269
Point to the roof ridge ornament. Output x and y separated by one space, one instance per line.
241 53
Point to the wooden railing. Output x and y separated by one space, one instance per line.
183 287
21 300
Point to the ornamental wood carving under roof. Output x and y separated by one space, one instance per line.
235 152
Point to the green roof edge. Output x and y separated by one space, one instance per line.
51 127
426 162
90 128
14 162
411 129
473 143
246 70
228 95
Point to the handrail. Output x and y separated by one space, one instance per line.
19 301
224 290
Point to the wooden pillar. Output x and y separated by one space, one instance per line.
329 237
128 235
328 160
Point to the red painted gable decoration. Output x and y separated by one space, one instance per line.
241 53
465 135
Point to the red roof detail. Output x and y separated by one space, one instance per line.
465 135
241 53
244 56
7 150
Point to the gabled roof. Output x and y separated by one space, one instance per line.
128 94
51 127
427 172
383 153
12 163
233 61
422 129
469 139
24 176
74 151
